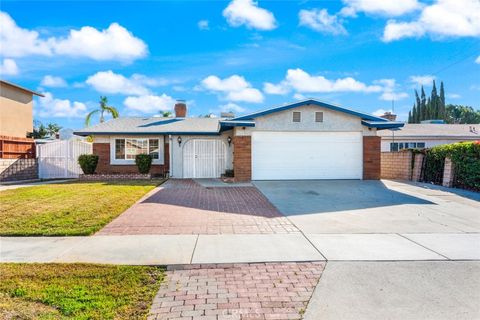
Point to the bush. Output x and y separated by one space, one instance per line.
466 160
143 162
88 163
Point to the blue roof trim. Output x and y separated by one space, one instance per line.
229 123
160 123
382 124
362 115
85 133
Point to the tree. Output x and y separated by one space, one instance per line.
39 131
433 107
423 106
441 105
166 114
462 114
429 108
53 129
104 108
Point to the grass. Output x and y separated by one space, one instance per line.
67 209
77 291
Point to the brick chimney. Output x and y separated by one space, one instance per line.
389 116
180 109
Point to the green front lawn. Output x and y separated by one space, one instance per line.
77 291
67 209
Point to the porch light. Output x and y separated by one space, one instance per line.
179 139
229 140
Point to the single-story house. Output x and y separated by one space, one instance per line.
422 135
308 139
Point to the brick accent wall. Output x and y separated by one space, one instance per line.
18 169
104 166
242 158
397 165
371 158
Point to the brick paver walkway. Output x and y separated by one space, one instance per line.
185 207
237 291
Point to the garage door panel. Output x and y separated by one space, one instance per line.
306 155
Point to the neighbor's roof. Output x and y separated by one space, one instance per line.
21 88
470 131
154 125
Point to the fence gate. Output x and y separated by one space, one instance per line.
59 159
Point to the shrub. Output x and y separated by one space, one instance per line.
466 160
143 162
88 163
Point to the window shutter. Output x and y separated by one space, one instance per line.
296 116
318 116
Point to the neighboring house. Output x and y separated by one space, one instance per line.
427 135
16 114
309 139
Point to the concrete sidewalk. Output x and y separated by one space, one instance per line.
187 249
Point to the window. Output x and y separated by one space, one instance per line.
397 146
127 149
318 116
296 116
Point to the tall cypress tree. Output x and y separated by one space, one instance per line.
441 107
410 116
422 112
433 114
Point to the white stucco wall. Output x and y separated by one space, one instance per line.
176 152
429 142
282 121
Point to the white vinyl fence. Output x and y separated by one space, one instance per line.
60 159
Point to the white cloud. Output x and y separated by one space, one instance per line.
321 21
389 88
247 12
453 96
299 96
8 68
54 82
280 89
444 18
149 103
422 80
203 25
58 108
232 107
379 7
380 112
303 82
477 60
113 43
235 88
114 83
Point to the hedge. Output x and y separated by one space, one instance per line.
466 160
88 163
143 162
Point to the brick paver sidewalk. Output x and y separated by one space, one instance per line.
185 207
237 291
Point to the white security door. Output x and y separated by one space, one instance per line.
204 158
307 155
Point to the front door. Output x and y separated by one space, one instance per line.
204 158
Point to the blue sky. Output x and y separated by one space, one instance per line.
238 55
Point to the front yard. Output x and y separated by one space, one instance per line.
67 209
77 291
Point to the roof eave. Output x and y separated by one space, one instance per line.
383 125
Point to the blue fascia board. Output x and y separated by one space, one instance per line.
192 133
361 115
160 122
383 125
237 123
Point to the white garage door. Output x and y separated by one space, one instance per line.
204 158
306 155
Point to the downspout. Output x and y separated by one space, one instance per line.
170 156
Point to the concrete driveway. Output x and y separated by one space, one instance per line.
352 206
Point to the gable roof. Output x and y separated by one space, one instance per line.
154 125
315 102
469 131
21 88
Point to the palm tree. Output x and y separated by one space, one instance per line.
53 129
104 107
166 114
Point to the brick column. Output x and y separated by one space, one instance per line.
102 150
371 158
242 158
417 167
448 173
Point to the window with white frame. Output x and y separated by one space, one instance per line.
397 146
128 148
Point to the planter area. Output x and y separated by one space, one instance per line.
114 176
